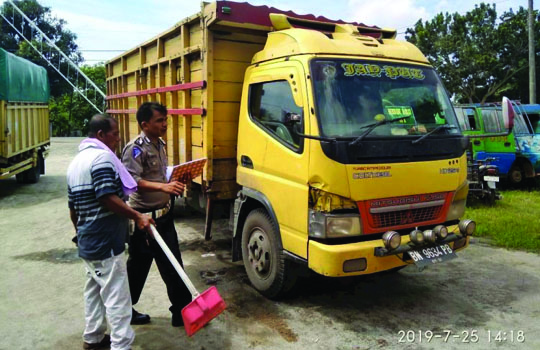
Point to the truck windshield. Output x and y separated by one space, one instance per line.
350 94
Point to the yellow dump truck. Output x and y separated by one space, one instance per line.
335 144
24 118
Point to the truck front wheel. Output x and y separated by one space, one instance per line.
265 263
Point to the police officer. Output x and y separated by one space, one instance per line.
146 159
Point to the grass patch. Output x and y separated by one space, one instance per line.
513 222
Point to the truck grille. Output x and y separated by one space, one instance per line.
403 212
406 217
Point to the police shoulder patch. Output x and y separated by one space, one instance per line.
136 152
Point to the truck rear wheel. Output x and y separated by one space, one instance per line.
265 263
31 176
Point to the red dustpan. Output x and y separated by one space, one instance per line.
205 306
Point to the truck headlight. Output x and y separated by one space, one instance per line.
341 226
317 224
417 237
441 231
430 236
391 240
467 227
323 225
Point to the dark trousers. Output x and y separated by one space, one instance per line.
143 250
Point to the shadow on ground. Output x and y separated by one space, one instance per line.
57 256
160 335
447 296
388 301
16 195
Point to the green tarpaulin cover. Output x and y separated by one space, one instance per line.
22 80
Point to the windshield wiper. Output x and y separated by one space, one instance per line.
440 127
323 138
372 127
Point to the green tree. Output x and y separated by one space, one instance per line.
70 112
516 31
478 55
53 27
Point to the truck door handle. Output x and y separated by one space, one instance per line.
507 144
246 162
476 143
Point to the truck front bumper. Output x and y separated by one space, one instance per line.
369 256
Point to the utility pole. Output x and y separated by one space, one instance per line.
532 54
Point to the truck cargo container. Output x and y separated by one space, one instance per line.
24 118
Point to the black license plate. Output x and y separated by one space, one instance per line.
431 255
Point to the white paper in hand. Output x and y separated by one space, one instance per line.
169 172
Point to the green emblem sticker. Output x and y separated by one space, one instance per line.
395 112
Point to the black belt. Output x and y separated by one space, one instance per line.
156 213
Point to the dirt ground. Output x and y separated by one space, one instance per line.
41 306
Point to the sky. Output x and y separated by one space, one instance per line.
106 28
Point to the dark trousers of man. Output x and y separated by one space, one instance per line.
142 251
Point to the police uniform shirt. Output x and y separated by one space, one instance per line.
146 161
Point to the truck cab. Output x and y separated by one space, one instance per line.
516 154
528 139
347 144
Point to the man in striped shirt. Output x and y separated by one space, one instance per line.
100 216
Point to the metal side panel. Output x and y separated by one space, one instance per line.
3 126
25 126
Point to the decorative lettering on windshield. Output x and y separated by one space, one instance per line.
352 69
376 71
417 74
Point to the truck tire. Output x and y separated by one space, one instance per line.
265 263
20 178
31 176
515 175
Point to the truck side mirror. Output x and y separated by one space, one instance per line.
508 114
292 118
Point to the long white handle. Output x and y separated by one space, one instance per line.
174 262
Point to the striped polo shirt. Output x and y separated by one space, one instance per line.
91 175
